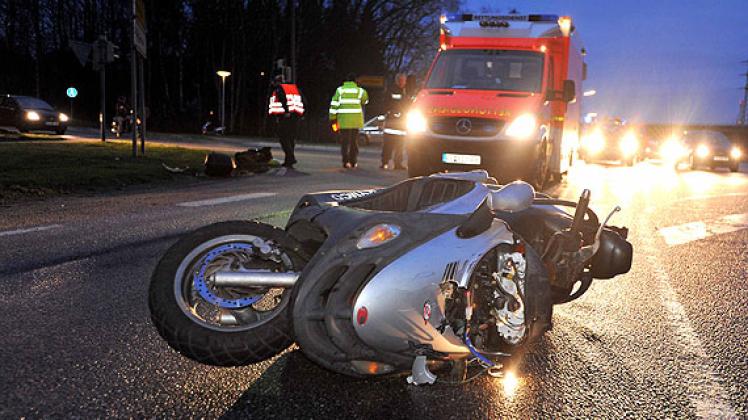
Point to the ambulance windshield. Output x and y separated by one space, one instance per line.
519 71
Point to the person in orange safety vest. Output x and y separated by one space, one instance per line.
287 107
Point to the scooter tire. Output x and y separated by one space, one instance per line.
210 346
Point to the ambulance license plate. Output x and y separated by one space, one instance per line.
461 159
721 158
52 123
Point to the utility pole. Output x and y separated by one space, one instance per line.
101 47
134 96
743 117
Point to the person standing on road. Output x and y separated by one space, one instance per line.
393 145
286 106
347 116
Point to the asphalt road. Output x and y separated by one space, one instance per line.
666 340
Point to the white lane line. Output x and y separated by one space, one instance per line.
709 196
688 232
224 200
706 392
29 230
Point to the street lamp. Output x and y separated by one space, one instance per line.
224 74
590 92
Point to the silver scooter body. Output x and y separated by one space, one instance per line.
404 302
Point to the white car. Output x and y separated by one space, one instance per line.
373 129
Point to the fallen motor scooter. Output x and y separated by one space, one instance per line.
445 269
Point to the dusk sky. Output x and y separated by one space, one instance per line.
658 61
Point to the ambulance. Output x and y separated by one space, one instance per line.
503 94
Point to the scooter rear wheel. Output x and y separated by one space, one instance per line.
225 326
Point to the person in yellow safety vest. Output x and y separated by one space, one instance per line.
287 106
347 116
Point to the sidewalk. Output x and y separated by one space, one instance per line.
216 143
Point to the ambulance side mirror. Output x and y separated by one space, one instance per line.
570 91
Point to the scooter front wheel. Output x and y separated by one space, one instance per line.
224 323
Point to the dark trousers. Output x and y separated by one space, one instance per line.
287 137
393 147
349 145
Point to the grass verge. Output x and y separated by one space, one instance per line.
34 170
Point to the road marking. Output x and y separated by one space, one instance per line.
704 384
709 196
688 232
29 230
224 200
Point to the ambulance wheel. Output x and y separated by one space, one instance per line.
542 170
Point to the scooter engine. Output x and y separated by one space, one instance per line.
490 312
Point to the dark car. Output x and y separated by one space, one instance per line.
710 149
610 140
27 113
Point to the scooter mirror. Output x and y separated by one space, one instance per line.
513 197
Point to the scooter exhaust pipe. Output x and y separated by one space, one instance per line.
254 278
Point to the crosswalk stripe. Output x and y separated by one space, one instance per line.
694 231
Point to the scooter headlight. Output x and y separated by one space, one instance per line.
415 122
522 127
378 235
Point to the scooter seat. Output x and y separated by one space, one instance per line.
413 195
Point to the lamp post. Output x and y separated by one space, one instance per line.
224 74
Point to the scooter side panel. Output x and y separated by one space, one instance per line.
404 303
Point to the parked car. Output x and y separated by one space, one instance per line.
27 113
373 129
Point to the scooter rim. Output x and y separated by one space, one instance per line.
194 257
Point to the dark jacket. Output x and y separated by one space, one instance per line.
398 103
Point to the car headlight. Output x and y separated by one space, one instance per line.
63 117
33 116
522 127
415 122
629 144
702 151
594 142
378 235
735 153
672 149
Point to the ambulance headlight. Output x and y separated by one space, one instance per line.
63 117
415 122
33 116
522 127
735 153
629 144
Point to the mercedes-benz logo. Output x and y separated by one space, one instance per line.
464 126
